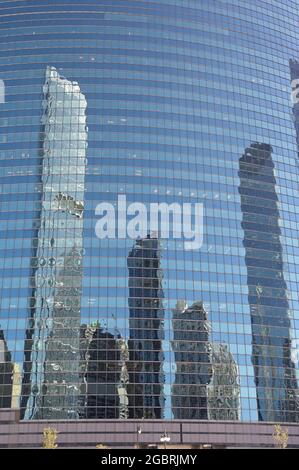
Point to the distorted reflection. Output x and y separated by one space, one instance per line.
105 377
275 379
51 383
192 350
207 378
224 387
6 374
146 330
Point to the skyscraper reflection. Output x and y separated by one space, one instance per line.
146 330
6 374
276 385
206 382
192 351
105 374
224 387
53 334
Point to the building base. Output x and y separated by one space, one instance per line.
111 434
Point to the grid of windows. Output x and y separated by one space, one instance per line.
163 101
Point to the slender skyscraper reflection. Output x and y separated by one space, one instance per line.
146 398
54 330
276 386
192 351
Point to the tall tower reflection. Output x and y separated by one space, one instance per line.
276 385
52 343
146 330
192 350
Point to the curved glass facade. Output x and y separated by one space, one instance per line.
108 108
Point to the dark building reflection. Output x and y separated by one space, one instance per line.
276 385
6 374
146 330
104 359
51 381
192 353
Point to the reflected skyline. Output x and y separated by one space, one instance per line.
184 105
52 381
